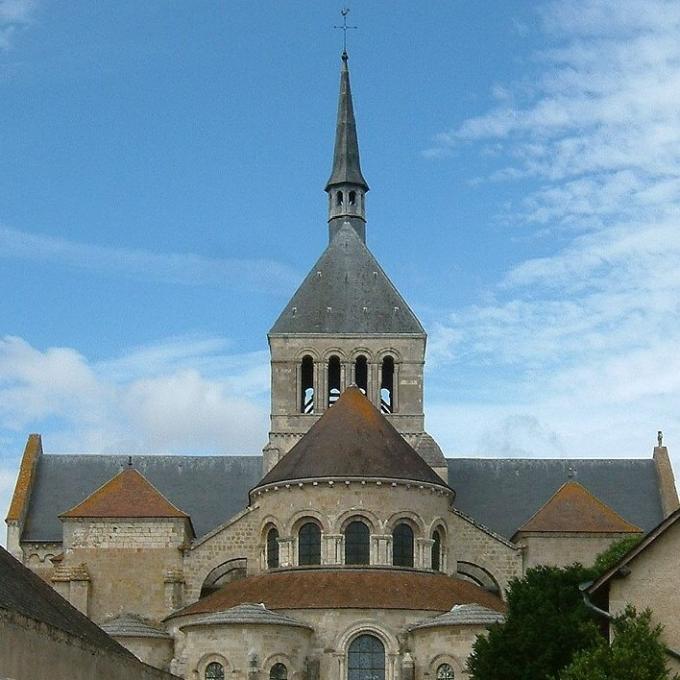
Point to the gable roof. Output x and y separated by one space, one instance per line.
347 291
352 439
657 532
24 592
128 494
572 508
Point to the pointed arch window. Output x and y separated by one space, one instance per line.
361 373
333 380
402 545
307 384
357 543
387 385
214 671
366 659
272 548
436 550
309 544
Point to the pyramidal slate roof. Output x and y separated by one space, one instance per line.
347 292
352 439
128 494
573 508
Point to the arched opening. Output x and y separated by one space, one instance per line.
231 570
361 373
445 672
214 671
402 546
307 385
333 380
309 544
366 659
357 543
436 550
352 197
387 385
272 548
278 672
338 198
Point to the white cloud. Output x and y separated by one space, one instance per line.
179 268
14 15
181 396
576 354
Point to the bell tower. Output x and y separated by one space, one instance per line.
347 324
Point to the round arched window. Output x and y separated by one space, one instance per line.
357 543
366 659
402 546
309 544
445 672
272 548
436 550
278 672
214 671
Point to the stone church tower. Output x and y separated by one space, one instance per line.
347 323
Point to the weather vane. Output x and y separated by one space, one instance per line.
344 28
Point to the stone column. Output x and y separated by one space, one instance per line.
424 553
286 555
382 549
331 548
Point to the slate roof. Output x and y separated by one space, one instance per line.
128 494
24 592
347 291
131 625
472 614
352 439
503 493
248 613
210 489
346 588
572 508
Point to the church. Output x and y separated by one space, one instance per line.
352 547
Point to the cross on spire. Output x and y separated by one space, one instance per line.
344 28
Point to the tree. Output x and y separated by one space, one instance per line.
609 557
636 653
546 624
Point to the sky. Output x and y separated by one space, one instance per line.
162 167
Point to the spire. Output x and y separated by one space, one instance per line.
346 186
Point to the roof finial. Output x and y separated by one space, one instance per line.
344 28
129 461
659 438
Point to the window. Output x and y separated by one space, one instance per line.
361 373
278 672
272 548
352 197
445 672
309 544
387 386
436 550
214 671
357 543
307 385
366 659
402 546
333 380
338 198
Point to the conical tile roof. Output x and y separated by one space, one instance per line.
575 509
352 439
128 494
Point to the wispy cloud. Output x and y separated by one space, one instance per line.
577 352
14 16
178 268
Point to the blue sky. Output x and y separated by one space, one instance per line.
161 194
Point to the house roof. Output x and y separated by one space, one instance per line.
347 291
572 508
346 588
471 614
25 593
648 540
352 439
128 494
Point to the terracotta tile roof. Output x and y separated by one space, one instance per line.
346 588
128 494
352 439
574 509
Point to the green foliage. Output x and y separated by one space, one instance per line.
608 558
546 624
636 653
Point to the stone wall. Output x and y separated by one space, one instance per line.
30 650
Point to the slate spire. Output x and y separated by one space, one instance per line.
346 186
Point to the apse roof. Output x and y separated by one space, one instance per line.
347 291
131 625
462 615
352 439
248 613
